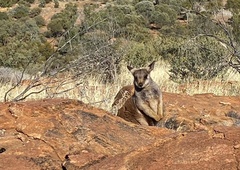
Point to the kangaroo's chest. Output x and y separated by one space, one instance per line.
148 95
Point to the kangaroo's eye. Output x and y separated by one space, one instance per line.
146 76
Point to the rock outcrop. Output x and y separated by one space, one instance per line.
186 113
200 132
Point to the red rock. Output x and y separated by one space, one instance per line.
68 134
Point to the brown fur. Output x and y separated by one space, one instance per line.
143 106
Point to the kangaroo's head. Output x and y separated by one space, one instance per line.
141 75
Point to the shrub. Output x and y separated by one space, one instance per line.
40 21
24 3
126 9
160 18
35 12
139 54
200 58
20 11
42 4
46 50
63 21
235 25
137 33
164 15
19 43
56 4
48 1
234 5
55 27
4 3
118 21
145 8
30 1
3 16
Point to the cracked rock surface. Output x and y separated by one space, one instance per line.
70 135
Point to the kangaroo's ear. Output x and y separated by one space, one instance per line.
130 68
151 66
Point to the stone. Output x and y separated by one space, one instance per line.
68 134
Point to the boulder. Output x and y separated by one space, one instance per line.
70 135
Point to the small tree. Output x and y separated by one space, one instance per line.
56 27
56 3
20 11
198 58
40 21
139 54
63 21
4 3
145 8
3 16
35 12
42 3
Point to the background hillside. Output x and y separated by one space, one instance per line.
192 40
68 56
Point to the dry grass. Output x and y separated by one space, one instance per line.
101 95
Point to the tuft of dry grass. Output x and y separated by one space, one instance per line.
94 92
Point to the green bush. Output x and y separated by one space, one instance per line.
3 16
46 50
20 11
235 25
126 9
145 8
35 12
19 43
42 3
118 21
63 21
56 4
160 18
40 21
4 3
136 33
55 27
139 54
48 1
30 1
164 15
233 5
200 58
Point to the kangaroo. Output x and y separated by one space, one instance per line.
147 96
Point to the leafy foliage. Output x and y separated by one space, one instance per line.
4 3
56 4
134 32
3 16
63 21
233 5
40 21
19 43
145 8
20 12
35 12
198 58
140 54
